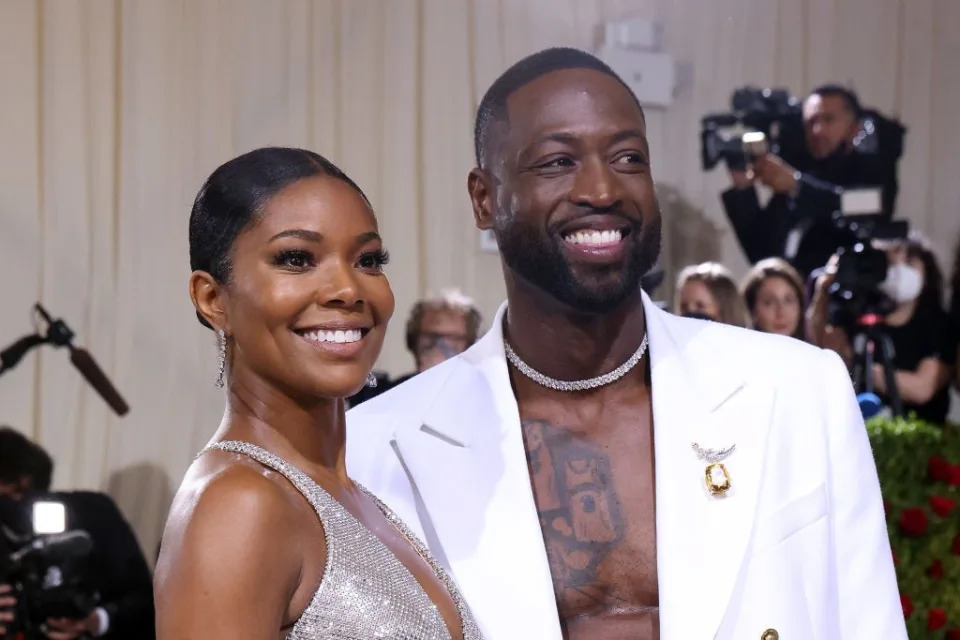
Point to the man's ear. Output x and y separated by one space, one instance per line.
480 188
208 297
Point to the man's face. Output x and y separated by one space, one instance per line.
573 203
443 334
829 125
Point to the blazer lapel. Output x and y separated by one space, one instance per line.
468 464
700 396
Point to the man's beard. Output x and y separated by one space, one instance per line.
540 261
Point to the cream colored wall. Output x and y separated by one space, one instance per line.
114 112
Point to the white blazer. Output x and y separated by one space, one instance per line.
798 544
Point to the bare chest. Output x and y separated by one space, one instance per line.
595 495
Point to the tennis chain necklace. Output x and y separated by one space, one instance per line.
575 385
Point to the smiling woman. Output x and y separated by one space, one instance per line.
268 537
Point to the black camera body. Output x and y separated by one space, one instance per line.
854 297
773 112
46 572
778 115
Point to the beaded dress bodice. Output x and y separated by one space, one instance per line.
365 592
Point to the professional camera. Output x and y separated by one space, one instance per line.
44 564
774 113
771 120
855 292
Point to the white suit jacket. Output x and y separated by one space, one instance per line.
798 544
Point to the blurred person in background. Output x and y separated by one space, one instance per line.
917 327
116 567
773 293
708 291
952 348
796 223
438 328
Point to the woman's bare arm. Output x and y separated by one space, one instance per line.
227 567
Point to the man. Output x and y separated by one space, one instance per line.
796 224
115 568
438 328
694 480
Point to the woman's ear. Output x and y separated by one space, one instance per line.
208 297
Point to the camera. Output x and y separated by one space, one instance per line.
854 297
775 116
44 564
759 121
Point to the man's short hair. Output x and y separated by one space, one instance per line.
850 99
21 458
452 301
493 106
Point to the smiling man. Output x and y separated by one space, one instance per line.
594 468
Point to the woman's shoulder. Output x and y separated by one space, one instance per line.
234 546
222 486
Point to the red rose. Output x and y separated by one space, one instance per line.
913 521
953 477
896 560
907 605
936 619
942 506
938 469
955 549
953 634
936 570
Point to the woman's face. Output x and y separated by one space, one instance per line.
777 308
695 297
307 304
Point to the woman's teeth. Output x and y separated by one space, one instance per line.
348 335
594 237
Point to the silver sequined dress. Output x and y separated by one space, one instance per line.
365 592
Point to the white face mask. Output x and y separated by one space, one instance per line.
903 283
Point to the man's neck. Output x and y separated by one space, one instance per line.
568 344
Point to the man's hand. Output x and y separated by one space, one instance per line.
7 602
67 629
775 173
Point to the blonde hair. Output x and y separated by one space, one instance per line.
775 268
722 287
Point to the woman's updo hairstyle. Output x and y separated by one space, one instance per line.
234 196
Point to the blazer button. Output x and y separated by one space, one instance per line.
770 634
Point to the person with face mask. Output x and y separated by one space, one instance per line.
916 326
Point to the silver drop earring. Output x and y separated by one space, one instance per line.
222 338
371 380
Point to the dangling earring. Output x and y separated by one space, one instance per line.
371 380
222 339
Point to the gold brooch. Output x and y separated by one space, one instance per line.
716 474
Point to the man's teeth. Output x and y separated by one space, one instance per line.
594 237
348 335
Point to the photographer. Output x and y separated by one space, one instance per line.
796 222
916 326
115 568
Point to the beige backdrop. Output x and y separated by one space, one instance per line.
112 113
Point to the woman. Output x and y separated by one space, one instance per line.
916 325
708 291
268 537
773 293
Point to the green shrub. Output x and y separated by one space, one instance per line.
919 468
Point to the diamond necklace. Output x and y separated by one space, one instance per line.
574 385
